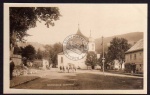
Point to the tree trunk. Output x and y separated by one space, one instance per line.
12 43
11 50
121 66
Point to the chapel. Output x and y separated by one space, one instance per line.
64 61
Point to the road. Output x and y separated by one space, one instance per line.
82 79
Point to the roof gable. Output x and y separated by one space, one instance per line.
137 46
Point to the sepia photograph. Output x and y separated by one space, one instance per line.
75 48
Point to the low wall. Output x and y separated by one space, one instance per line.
17 59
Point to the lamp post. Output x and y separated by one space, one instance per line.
103 59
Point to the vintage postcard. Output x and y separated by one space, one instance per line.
75 48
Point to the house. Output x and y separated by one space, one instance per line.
64 61
42 64
45 63
134 58
117 65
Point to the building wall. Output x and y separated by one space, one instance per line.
117 65
45 63
130 57
38 63
91 46
63 61
136 58
17 59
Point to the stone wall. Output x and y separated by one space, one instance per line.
17 59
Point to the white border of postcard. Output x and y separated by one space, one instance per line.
26 91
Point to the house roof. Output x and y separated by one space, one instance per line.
61 53
136 47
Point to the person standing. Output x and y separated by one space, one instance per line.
12 65
63 69
60 69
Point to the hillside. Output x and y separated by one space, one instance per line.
131 37
36 45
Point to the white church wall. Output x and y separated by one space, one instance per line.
59 60
78 63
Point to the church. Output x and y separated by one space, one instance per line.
64 61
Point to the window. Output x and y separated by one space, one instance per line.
140 53
61 59
134 56
140 67
130 56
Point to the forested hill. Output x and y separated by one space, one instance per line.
131 37
36 45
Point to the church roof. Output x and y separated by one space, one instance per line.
80 34
138 46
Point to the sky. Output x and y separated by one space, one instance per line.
101 19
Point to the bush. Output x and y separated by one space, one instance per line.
22 70
18 70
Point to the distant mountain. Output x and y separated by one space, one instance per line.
36 45
131 37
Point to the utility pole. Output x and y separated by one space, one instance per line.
103 59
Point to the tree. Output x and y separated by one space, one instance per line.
17 50
91 59
39 54
24 18
117 49
52 51
29 52
57 48
106 62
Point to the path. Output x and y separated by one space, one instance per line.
56 74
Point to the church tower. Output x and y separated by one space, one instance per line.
91 44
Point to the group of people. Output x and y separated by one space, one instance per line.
68 68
